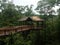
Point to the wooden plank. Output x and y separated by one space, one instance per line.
8 30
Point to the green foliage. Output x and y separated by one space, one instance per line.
50 35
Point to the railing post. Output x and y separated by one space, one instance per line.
4 32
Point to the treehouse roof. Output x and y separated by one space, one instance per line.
33 18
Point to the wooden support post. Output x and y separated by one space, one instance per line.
15 30
4 32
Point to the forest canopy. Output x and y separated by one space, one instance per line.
11 13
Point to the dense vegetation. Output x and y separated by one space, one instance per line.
50 35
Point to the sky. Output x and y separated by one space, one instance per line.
26 2
30 2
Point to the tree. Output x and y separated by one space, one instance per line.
20 9
9 15
43 7
28 11
58 25
53 2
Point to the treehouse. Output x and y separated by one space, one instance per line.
34 21
25 24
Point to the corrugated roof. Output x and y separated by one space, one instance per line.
23 19
34 18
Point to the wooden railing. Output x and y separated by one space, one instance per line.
14 29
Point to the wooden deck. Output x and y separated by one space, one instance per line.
14 29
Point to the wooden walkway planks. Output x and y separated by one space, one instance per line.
14 29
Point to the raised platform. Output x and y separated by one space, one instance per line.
14 29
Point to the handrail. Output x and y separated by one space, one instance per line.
13 29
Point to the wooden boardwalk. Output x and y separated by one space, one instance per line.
14 29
